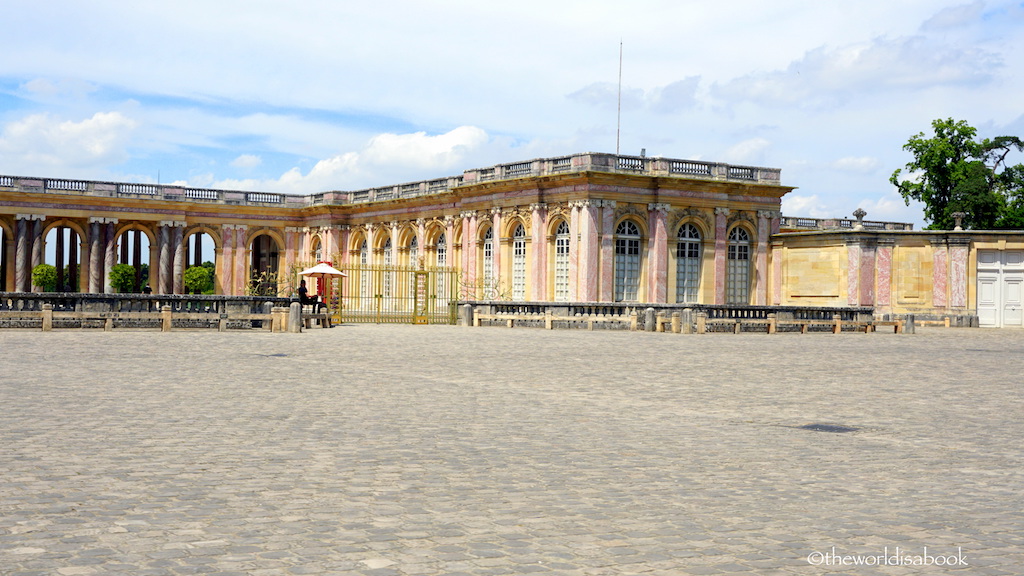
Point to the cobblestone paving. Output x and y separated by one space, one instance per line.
401 450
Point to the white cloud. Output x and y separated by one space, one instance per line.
750 151
247 161
864 164
386 159
41 141
954 16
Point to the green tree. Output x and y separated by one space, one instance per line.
198 280
122 277
45 277
953 172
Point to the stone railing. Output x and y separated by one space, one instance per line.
588 162
626 315
839 224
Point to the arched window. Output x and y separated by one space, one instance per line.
387 273
687 263
562 262
414 252
519 263
316 251
364 273
364 253
442 250
488 249
738 284
627 261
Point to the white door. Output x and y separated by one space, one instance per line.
1012 303
988 299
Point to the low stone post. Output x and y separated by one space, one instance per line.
650 320
466 315
279 315
295 318
687 320
548 322
47 317
772 323
839 323
676 322
268 308
702 322
909 325
165 316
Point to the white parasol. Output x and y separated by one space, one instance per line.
321 270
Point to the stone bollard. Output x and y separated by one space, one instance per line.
295 318
702 322
772 323
268 308
279 316
466 315
687 320
165 316
676 322
650 320
838 319
909 326
47 317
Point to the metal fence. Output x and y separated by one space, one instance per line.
396 295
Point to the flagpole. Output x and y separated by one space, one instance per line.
618 126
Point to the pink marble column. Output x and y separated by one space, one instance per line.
469 242
23 249
449 238
96 256
588 253
37 245
341 245
721 252
883 272
777 247
163 267
538 252
761 259
940 272
226 259
421 236
574 251
657 251
607 289
241 272
178 258
867 274
291 241
497 245
853 250
109 253
959 249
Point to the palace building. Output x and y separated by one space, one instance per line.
582 228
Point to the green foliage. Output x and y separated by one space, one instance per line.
953 172
198 280
45 277
122 277
263 284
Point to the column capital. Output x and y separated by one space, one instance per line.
769 214
30 217
496 211
538 206
658 207
292 229
721 211
467 213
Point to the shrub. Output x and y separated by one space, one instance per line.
198 280
122 277
45 277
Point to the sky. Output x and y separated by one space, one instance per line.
316 95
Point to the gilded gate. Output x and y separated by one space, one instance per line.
396 295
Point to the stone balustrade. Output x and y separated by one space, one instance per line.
588 162
839 224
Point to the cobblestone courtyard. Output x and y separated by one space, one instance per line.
401 450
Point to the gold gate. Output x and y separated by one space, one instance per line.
396 295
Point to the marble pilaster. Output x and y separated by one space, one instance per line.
607 251
940 273
657 250
721 252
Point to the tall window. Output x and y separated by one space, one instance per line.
562 262
519 263
317 252
687 263
364 274
414 252
488 257
627 261
387 272
738 285
442 250
442 257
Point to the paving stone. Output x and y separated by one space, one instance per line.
442 450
